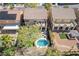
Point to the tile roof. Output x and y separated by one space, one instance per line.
35 13
63 13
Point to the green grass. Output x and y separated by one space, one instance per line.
63 35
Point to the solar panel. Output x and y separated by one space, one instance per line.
5 16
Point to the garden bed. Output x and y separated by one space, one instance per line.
62 35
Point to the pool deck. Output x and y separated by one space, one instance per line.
63 44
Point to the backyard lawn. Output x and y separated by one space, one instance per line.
63 35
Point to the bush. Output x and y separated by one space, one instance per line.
63 35
9 51
27 36
32 5
53 52
6 41
47 6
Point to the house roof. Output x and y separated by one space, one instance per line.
63 13
35 13
9 16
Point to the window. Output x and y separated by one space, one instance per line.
60 28
71 28
27 20
35 21
55 28
40 22
66 28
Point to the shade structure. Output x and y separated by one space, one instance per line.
10 27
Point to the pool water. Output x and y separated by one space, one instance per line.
42 42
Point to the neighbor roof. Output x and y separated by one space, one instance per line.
63 13
35 13
9 16
74 33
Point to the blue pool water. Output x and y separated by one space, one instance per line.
42 42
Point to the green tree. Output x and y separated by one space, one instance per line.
27 36
47 6
9 51
11 6
6 41
32 5
53 52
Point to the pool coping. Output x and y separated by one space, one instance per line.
41 46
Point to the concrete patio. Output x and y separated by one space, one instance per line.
64 44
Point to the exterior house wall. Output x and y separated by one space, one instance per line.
8 31
61 24
42 23
33 21
63 18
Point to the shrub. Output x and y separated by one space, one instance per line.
53 52
6 41
27 36
9 51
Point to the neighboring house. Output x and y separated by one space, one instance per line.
36 16
66 5
9 21
19 6
63 19
73 34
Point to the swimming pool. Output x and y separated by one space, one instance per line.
42 42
